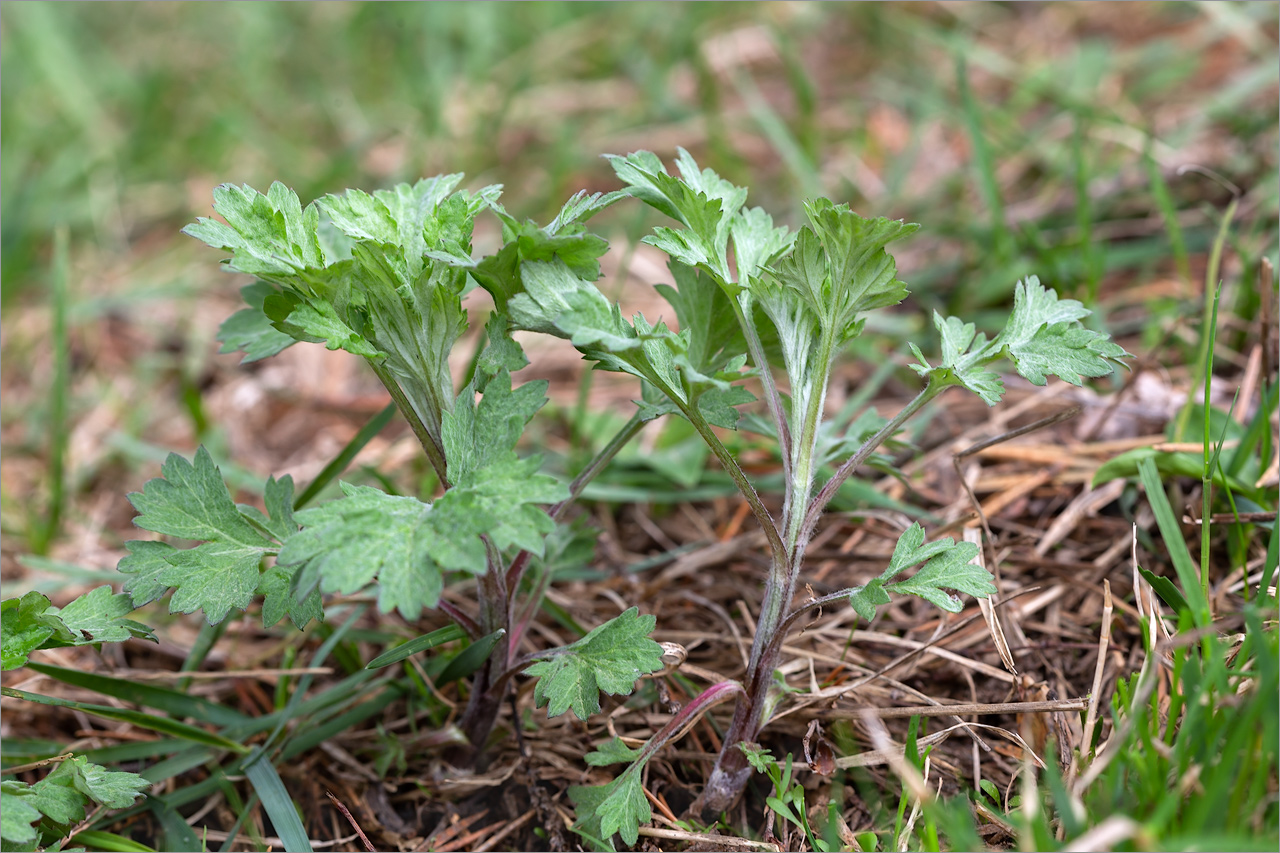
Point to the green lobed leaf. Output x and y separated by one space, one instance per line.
250 330
62 796
502 352
618 807
215 577
146 561
278 521
699 199
346 543
111 788
1043 337
191 501
18 815
32 622
865 599
98 617
25 625
839 267
270 235
757 243
276 586
316 320
581 207
947 565
610 658
476 435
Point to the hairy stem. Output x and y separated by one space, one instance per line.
828 491
426 437
800 483
730 465
464 621
773 400
732 770
486 696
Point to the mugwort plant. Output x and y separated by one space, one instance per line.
382 276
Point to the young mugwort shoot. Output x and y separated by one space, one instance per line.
382 276
752 299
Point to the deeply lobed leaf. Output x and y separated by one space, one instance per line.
947 565
190 501
618 807
1043 337
610 659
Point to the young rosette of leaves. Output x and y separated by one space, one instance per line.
379 275
1043 336
223 573
610 658
32 622
50 807
947 565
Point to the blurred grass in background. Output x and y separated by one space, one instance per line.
1015 132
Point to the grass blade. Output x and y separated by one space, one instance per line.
163 725
45 530
1168 212
277 802
1174 542
160 698
93 839
988 183
418 644
178 836
471 658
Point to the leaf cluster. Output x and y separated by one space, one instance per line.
31 816
32 622
1043 336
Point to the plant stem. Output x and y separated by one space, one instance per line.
732 770
486 696
739 478
800 484
515 572
742 307
828 491
432 447
699 705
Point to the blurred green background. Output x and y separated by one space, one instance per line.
981 120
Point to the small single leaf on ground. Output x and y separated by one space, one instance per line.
610 658
618 807
947 565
